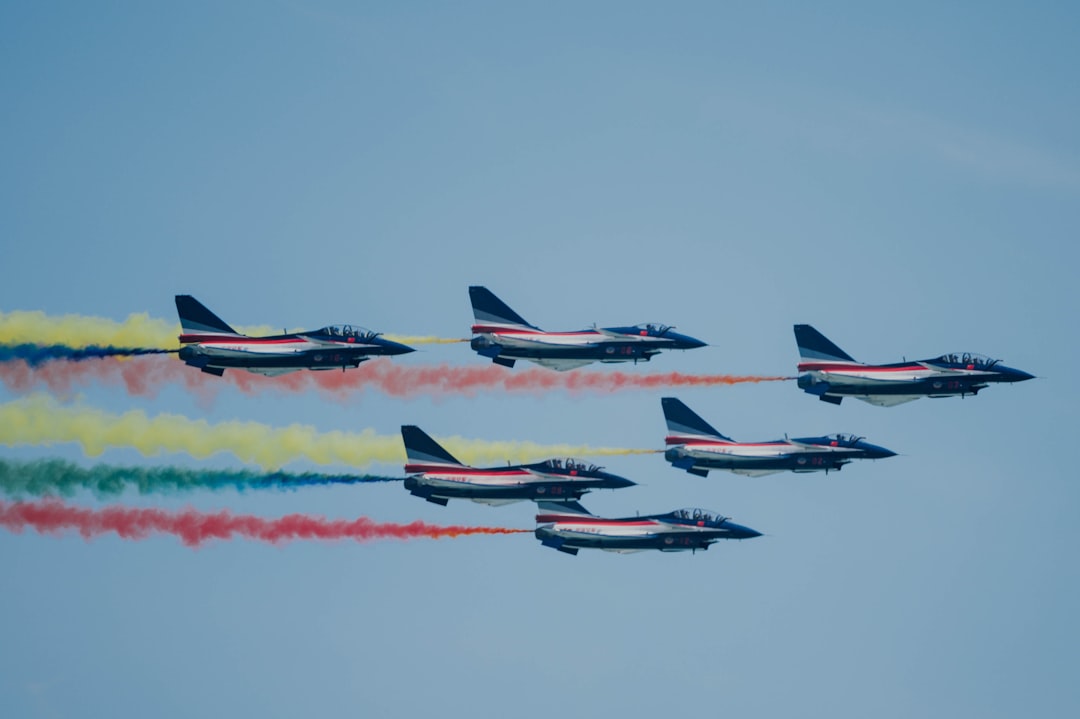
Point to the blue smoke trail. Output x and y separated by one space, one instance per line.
36 355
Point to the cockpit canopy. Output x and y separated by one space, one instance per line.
347 331
967 358
846 440
698 515
570 465
654 328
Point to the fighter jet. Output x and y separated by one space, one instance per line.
435 475
568 527
505 337
832 374
695 446
213 346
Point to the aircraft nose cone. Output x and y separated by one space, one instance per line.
1016 375
396 348
737 531
614 481
690 343
875 452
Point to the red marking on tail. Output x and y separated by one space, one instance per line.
194 527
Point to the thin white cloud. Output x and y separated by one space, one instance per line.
850 126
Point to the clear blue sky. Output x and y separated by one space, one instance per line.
905 178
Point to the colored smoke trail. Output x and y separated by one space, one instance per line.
57 477
423 339
40 420
401 380
389 377
36 355
77 331
143 377
138 330
194 527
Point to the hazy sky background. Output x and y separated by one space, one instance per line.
905 178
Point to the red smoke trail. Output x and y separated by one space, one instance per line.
402 380
143 376
194 527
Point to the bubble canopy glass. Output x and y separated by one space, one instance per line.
698 515
967 358
347 331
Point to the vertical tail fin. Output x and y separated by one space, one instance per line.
814 346
490 311
420 449
196 319
683 423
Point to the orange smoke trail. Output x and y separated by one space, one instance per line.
194 527
143 376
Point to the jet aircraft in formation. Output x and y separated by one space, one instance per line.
435 475
505 337
695 446
213 346
568 527
832 374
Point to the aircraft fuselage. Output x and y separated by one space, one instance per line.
810 454
282 353
665 533
499 485
567 350
891 384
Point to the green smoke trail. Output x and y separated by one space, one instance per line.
57 477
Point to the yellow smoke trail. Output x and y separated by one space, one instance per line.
138 330
422 339
40 420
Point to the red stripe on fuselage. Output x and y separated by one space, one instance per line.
225 339
593 521
692 443
484 329
778 443
472 471
820 367
698 441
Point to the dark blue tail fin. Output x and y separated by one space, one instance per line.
422 449
814 346
683 422
196 319
490 310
